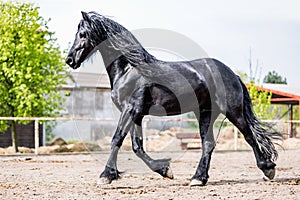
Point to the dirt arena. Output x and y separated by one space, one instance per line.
233 175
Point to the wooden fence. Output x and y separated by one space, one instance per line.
145 121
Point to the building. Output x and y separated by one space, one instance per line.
286 95
87 96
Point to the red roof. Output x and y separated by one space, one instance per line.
282 94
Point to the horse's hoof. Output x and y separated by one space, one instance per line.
104 181
169 173
196 182
270 173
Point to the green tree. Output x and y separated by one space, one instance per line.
261 102
31 66
274 77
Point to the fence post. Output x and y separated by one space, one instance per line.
235 138
36 137
144 135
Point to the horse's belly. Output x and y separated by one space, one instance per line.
170 104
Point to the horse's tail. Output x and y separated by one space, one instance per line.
262 132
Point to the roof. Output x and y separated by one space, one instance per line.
87 80
282 94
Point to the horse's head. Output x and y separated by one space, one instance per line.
96 32
84 43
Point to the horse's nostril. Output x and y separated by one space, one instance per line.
69 61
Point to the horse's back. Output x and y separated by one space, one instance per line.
224 85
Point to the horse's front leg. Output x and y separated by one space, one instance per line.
111 172
161 166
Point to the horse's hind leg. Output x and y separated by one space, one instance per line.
206 120
161 166
265 164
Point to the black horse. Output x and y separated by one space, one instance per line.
143 85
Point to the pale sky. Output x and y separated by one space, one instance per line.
224 29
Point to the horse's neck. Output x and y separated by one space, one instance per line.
115 66
117 56
124 43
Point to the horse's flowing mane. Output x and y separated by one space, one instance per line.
104 29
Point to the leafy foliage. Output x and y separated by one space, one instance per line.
261 102
274 77
31 65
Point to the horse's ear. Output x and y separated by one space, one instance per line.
85 16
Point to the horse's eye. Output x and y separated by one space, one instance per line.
82 35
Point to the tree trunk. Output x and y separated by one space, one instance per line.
14 136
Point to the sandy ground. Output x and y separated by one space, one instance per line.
233 175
